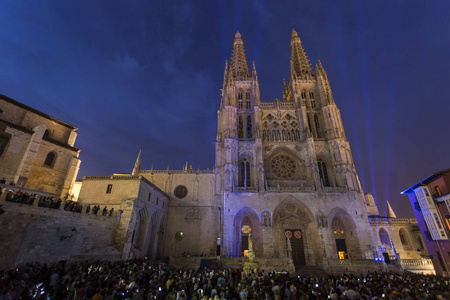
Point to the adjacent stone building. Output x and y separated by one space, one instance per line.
36 150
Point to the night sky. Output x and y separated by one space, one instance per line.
148 74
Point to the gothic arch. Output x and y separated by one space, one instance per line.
293 214
142 222
249 217
340 218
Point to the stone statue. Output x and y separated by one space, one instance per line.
251 253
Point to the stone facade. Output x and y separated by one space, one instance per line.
142 207
31 233
36 150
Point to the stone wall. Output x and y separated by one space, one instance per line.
31 233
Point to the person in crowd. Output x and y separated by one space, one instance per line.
105 211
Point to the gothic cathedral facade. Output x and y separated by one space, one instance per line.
284 172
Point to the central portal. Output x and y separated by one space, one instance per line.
296 239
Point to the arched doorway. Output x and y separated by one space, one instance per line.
247 222
295 235
346 243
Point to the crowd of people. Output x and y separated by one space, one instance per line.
137 279
18 196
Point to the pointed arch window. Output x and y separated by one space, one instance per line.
50 159
403 238
311 95
240 94
317 125
46 134
323 172
249 127
241 128
244 173
303 94
247 95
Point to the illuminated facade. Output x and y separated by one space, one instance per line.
283 173
36 150
430 199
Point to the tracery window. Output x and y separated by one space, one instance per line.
50 159
244 173
240 128
247 95
248 104
249 127
384 237
303 94
240 95
323 172
316 123
240 104
283 166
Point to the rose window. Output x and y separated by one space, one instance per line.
283 166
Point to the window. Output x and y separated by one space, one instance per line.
240 128
240 104
303 94
247 95
323 173
316 123
311 95
240 95
248 104
50 159
438 191
426 192
157 201
180 191
403 238
46 133
249 127
109 189
313 104
149 196
244 173
438 222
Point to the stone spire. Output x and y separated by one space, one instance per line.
137 164
239 67
300 66
390 211
320 71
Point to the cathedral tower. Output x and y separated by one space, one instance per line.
284 172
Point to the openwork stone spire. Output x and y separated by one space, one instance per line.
239 67
300 66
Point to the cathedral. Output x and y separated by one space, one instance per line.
283 174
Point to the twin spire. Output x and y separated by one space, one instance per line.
238 68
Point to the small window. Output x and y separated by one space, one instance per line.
426 193
313 104
163 204
240 95
157 201
180 191
311 95
109 189
50 159
303 94
438 191
247 95
46 133
240 104
149 196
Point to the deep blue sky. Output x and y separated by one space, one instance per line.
132 73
